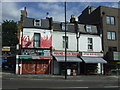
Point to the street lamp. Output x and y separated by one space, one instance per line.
65 46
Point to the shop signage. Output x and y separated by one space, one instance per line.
68 53
36 52
5 48
25 57
34 57
91 54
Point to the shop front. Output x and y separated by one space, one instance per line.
59 64
93 63
36 62
113 65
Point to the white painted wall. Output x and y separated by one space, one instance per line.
83 43
57 41
30 32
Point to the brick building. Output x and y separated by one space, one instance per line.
108 21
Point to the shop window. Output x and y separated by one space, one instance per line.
110 20
36 40
111 35
64 42
37 22
90 44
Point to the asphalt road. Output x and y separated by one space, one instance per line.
60 84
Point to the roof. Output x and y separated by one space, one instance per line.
57 26
29 23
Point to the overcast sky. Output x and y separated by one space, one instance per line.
11 10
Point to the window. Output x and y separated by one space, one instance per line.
88 28
90 44
110 20
37 22
63 26
64 41
36 40
111 35
112 49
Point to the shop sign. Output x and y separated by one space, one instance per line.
25 57
68 53
6 48
36 52
34 57
91 54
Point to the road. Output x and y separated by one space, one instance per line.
83 82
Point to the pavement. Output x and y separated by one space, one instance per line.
9 75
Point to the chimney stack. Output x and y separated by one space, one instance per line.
23 14
73 19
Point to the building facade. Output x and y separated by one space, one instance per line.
107 19
42 47
35 42
84 49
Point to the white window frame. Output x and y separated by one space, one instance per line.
110 20
36 42
37 23
90 44
88 28
111 35
63 26
64 42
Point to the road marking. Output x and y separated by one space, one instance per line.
64 87
111 86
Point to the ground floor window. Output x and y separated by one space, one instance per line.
70 65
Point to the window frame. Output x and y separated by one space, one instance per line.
90 44
64 41
88 28
36 41
112 35
110 20
63 26
36 23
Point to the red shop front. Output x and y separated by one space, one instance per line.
26 64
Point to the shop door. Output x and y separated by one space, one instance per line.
42 66
28 66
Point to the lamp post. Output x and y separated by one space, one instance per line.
65 46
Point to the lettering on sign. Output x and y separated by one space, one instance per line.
92 54
63 53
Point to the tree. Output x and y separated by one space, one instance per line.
9 33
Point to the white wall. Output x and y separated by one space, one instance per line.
83 43
30 32
57 41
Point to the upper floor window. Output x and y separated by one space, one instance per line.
36 40
37 22
90 44
111 35
110 20
88 28
65 43
63 26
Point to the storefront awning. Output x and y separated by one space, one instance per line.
93 60
69 59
